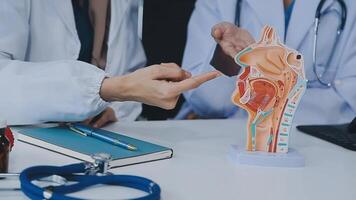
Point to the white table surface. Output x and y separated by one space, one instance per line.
201 169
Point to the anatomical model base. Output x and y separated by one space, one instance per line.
259 158
269 89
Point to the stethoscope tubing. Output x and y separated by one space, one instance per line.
31 173
83 181
316 29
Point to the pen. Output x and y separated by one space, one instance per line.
89 132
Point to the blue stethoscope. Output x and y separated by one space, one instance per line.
75 177
318 15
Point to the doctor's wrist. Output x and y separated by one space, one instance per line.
115 89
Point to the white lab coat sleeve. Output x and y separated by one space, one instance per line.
212 99
49 91
345 83
44 91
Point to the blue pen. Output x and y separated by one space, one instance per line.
88 131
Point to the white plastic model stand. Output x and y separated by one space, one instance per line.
242 157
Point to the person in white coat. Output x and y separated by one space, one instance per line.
320 104
42 80
43 31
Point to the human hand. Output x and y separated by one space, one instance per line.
157 85
105 117
231 38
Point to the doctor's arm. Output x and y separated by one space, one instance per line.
67 90
214 98
32 94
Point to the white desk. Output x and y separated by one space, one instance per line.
200 168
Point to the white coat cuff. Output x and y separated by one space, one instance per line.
101 104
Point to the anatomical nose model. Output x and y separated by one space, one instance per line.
269 89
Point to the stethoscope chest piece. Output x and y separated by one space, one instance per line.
100 166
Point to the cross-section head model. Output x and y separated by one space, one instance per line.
269 88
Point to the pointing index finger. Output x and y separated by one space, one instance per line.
195 81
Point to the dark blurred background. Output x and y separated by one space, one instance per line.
164 36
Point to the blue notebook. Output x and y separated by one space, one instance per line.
64 141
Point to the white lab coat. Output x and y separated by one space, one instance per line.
40 78
319 105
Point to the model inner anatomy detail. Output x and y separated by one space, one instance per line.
269 88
